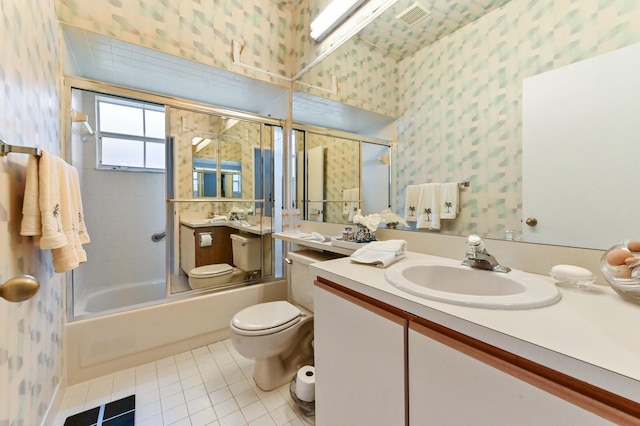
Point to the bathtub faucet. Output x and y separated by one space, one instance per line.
478 257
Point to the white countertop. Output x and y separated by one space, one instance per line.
592 336
203 223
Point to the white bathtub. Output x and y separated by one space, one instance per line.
120 340
119 297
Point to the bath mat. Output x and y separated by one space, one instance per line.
115 413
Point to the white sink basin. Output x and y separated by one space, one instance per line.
462 285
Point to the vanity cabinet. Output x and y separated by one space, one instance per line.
449 386
192 255
359 360
379 365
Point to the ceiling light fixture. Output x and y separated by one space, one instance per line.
332 16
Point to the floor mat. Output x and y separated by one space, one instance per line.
116 413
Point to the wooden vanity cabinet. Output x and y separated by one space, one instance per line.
378 365
220 250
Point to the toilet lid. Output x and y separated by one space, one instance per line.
266 317
212 270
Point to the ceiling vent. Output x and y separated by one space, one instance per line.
413 14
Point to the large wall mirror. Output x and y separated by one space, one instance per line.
460 110
339 174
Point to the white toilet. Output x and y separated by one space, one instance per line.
246 257
278 335
210 275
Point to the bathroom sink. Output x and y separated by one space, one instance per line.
462 285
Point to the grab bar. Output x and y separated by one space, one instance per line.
157 237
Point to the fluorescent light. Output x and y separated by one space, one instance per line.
332 16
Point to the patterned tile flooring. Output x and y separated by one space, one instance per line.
211 385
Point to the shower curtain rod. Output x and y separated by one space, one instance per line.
6 148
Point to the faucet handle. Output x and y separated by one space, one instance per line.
475 243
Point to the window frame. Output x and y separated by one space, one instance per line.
142 105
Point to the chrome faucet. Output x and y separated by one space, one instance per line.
478 257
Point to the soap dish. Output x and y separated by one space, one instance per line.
573 276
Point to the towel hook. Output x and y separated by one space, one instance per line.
20 288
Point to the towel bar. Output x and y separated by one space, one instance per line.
6 148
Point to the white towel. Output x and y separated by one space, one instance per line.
429 207
411 203
59 203
449 200
380 253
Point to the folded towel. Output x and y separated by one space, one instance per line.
449 200
380 253
411 203
429 207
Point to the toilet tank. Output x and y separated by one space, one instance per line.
300 278
246 251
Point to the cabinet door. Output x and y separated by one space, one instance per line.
448 387
359 361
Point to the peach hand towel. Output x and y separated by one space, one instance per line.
31 219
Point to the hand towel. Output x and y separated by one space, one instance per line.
380 253
449 200
31 218
411 203
429 207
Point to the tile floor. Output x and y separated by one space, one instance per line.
211 385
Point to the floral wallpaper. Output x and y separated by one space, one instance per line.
31 332
460 99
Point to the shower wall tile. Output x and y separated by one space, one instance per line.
31 332
460 102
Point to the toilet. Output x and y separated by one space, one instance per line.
246 252
278 335
246 257
210 275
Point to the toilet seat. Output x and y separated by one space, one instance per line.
210 271
266 318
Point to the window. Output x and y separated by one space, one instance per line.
131 135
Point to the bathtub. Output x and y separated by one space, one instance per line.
120 340
120 296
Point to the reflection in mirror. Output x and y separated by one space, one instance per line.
376 178
224 184
334 171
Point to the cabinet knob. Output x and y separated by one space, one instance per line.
531 221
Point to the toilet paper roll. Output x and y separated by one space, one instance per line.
306 383
206 240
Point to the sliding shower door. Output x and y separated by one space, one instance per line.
122 178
